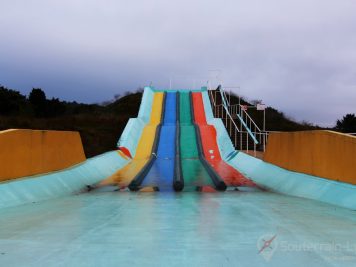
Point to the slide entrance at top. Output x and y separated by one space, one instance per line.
177 150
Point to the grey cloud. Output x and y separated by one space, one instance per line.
298 56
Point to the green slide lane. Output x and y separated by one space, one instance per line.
188 143
194 173
185 117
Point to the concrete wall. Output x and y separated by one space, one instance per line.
30 152
324 154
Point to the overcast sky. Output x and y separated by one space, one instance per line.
297 56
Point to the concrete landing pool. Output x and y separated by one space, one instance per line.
181 229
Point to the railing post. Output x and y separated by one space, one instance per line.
241 137
230 128
225 115
230 97
264 141
246 141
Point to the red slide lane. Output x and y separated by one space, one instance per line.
211 150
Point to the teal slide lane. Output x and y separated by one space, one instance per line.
134 127
194 174
146 105
61 183
280 180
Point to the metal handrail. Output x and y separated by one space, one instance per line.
212 97
253 133
241 120
227 113
227 100
237 128
252 120
248 130
247 115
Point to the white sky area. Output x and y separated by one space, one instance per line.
297 56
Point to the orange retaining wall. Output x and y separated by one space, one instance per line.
30 152
324 154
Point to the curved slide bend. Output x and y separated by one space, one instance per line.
210 147
195 174
124 176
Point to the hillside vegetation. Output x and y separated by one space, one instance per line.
275 120
100 126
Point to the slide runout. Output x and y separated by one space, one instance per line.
123 177
194 174
61 183
162 172
230 176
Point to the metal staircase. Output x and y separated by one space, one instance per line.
242 129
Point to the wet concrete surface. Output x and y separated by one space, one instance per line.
109 228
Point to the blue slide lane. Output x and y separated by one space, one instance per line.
162 172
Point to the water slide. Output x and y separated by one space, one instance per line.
170 154
167 163
126 175
161 173
231 176
194 173
74 227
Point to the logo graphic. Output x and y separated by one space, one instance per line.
267 245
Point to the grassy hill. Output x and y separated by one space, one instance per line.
100 126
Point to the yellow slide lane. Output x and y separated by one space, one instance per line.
124 176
